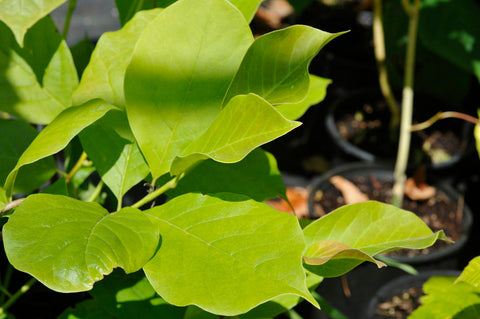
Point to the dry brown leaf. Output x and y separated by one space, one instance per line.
418 191
298 197
349 191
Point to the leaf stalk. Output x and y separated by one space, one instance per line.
20 292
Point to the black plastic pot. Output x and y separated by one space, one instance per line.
399 285
383 144
446 256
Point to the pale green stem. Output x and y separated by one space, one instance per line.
6 282
71 7
442 116
75 168
20 292
11 205
96 192
169 185
399 174
380 57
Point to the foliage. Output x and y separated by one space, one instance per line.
179 95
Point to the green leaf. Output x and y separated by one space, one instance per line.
3 198
276 64
104 75
111 146
457 40
128 8
15 136
256 176
198 313
471 273
68 245
370 227
88 309
179 73
58 134
37 81
21 15
444 299
247 7
316 94
57 188
247 122
225 254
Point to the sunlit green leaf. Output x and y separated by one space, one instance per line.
68 245
225 254
316 94
445 299
104 75
175 91
256 176
15 136
276 65
111 146
37 81
247 122
371 227
3 198
247 7
56 136
21 15
471 273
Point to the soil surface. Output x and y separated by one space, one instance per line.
438 212
400 306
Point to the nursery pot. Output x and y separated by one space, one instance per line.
369 176
358 123
405 289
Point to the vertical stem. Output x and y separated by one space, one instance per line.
71 7
75 168
380 57
407 109
17 295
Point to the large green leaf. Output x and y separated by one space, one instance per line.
225 254
179 73
471 273
316 94
58 134
371 228
247 122
104 75
15 136
444 299
68 245
21 15
247 7
111 146
36 82
457 40
276 64
256 176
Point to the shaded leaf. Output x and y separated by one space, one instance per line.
471 273
128 8
58 134
21 15
247 122
444 299
68 245
111 146
104 75
57 188
179 73
81 53
88 309
225 254
36 82
316 94
256 176
371 227
323 251
276 65
15 136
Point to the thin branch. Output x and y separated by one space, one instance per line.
71 7
12 205
75 168
20 292
169 185
380 57
442 116
96 192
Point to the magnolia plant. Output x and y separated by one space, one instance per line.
180 98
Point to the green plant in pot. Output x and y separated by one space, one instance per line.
179 98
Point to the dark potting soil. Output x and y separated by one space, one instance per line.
400 306
438 212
